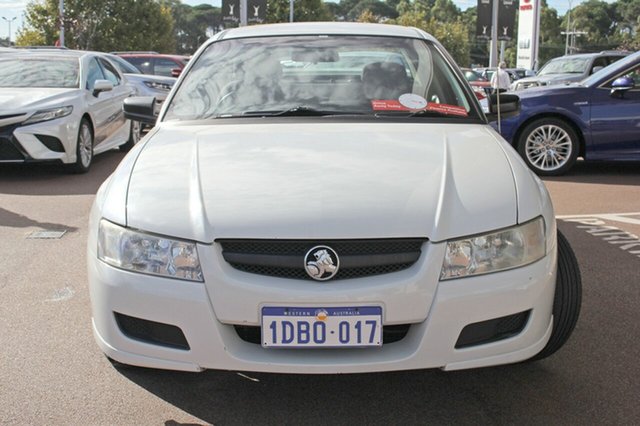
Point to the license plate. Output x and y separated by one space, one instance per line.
322 327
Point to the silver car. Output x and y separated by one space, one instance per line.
62 106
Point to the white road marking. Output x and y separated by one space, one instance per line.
596 226
614 217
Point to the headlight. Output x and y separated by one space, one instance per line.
497 251
147 254
49 114
157 86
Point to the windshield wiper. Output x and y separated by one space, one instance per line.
419 113
298 111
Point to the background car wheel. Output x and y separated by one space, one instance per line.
567 299
135 133
84 148
549 146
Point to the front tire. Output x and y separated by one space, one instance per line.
567 299
549 146
135 133
84 148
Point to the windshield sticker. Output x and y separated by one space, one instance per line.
389 105
392 105
413 101
448 109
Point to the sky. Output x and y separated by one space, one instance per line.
10 9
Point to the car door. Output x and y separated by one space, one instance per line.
615 120
117 126
98 104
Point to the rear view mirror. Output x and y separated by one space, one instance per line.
101 86
508 105
621 85
140 108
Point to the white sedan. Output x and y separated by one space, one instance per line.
299 209
62 106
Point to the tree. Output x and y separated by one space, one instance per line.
453 36
379 9
100 25
599 20
304 11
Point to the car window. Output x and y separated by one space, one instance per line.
110 72
94 72
565 65
123 66
472 76
598 62
164 66
635 75
612 59
356 74
143 64
39 72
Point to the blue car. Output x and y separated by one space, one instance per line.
596 119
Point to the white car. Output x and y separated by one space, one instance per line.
62 106
291 213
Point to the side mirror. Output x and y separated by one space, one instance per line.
140 108
101 86
175 72
621 85
596 69
508 105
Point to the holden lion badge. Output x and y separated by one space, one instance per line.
321 263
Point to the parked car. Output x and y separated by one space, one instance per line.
569 68
156 63
278 217
61 106
487 73
480 85
597 119
144 84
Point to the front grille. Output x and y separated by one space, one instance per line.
390 333
286 258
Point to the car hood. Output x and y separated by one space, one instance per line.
24 99
552 78
571 90
320 181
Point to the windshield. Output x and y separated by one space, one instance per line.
319 75
565 66
123 66
39 72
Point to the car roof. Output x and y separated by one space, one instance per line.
51 52
592 54
329 28
151 55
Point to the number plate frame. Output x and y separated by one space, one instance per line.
364 324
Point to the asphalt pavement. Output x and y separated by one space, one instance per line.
53 372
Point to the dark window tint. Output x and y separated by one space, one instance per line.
110 72
143 64
94 73
164 66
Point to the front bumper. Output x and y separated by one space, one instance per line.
53 140
207 312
